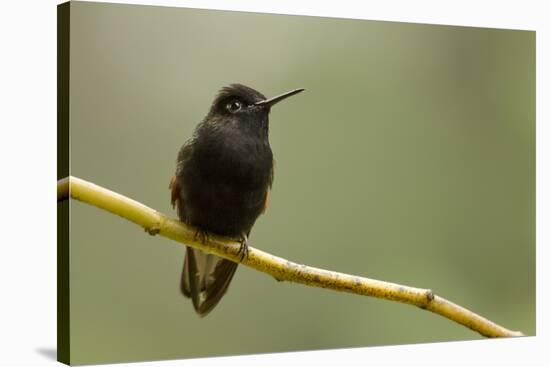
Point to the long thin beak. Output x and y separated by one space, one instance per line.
271 101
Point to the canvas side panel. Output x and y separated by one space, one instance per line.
63 291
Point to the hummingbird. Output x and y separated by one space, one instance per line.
224 173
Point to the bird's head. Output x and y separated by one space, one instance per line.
245 108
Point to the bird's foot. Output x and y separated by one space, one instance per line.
243 249
202 234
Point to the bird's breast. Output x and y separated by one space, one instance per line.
238 159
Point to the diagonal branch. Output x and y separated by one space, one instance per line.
281 269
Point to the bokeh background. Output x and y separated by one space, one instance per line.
410 158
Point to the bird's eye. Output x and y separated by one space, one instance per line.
234 106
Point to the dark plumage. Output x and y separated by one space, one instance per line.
222 181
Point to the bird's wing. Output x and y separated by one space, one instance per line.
185 287
269 185
175 185
205 278
174 192
266 201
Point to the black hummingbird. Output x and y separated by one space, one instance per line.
222 182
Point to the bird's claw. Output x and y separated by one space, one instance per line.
243 249
202 234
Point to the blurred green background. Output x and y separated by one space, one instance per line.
409 158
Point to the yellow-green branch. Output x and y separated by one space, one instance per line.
281 269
